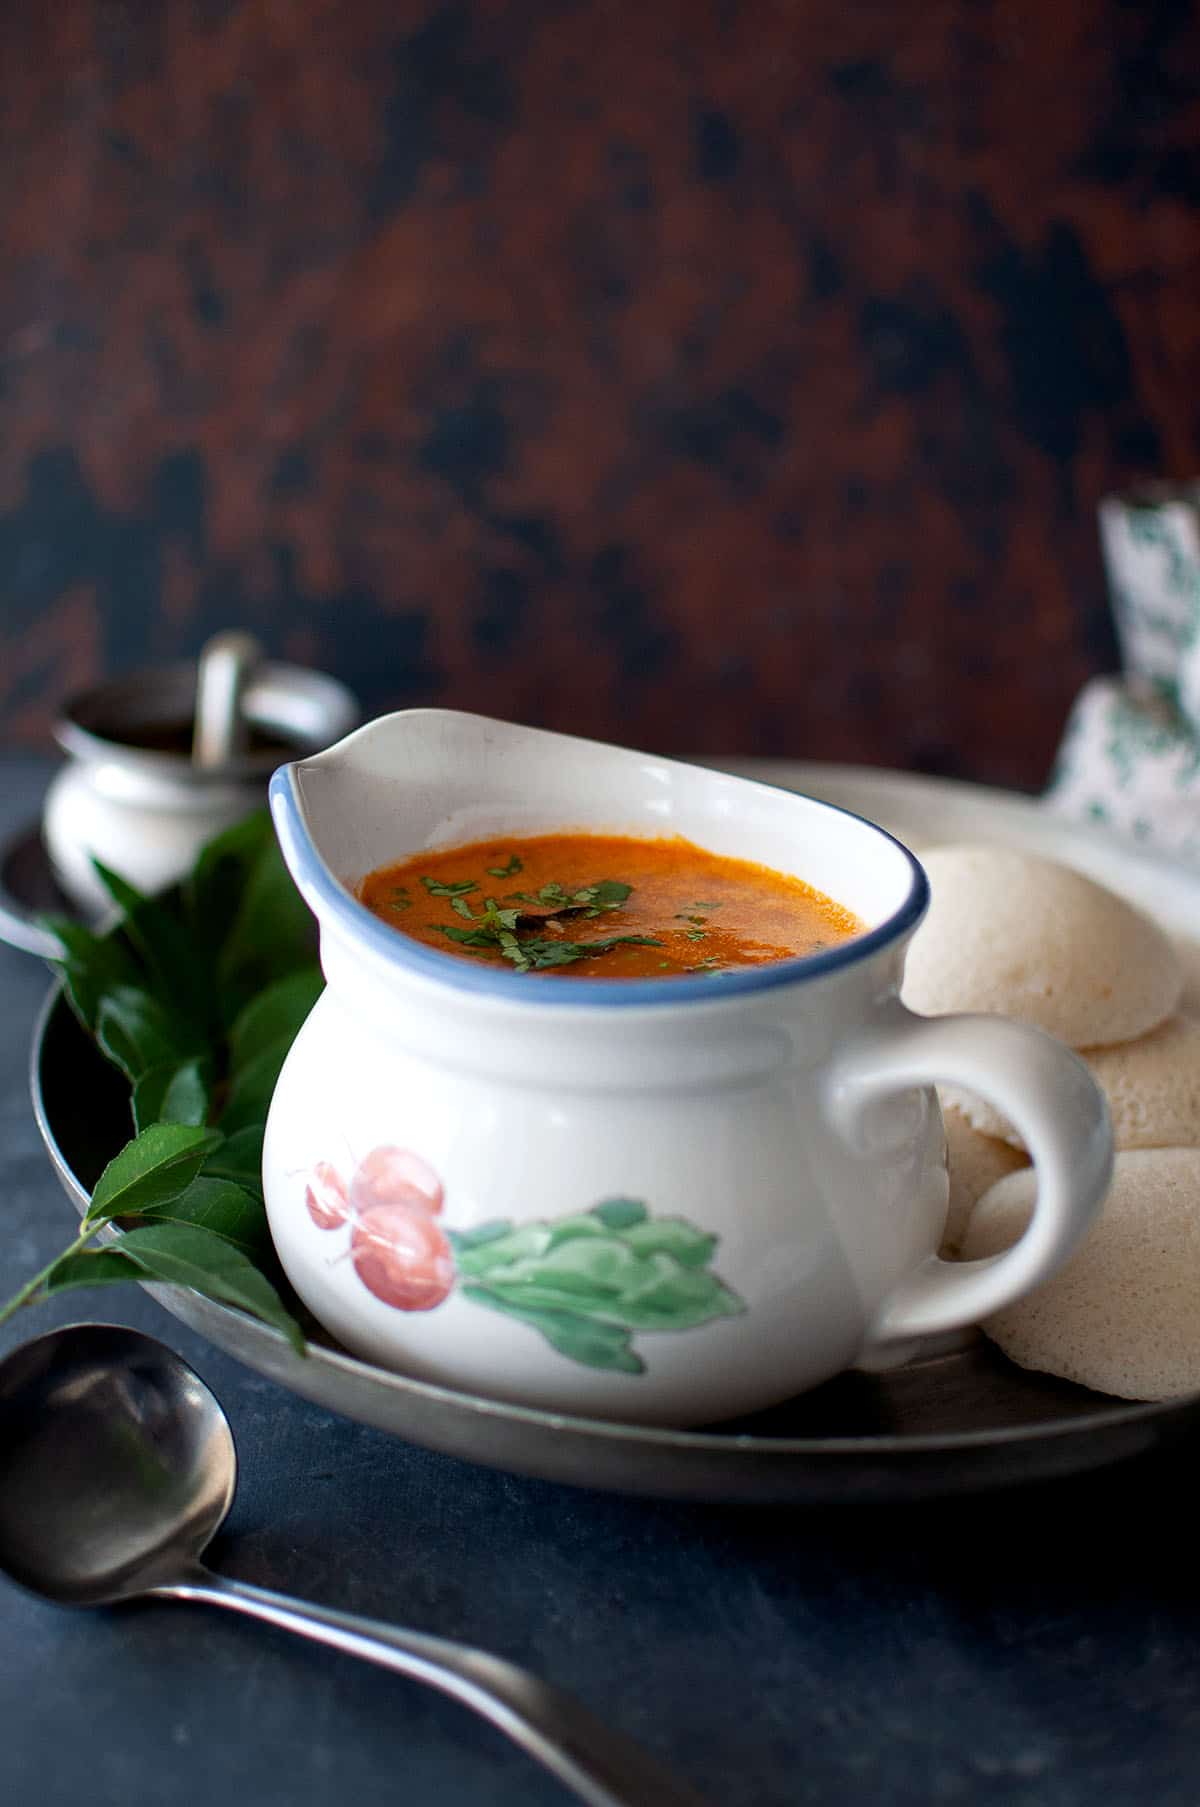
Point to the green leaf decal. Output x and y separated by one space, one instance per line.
590 1281
465 1242
620 1213
481 1256
591 1344
672 1236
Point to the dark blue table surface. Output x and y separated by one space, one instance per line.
1038 1645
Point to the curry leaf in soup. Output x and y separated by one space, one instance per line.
512 950
174 1092
461 907
510 871
467 937
544 953
539 954
607 894
155 1166
460 888
399 899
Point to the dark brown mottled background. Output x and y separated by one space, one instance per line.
718 376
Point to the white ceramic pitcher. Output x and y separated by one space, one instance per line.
664 1201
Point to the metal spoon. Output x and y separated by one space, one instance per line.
225 667
117 1467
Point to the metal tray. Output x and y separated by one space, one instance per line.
956 1421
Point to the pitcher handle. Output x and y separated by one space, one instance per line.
1062 1116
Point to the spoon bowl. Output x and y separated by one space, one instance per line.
117 1467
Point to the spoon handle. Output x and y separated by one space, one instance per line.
604 1768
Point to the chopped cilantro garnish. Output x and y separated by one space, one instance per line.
436 888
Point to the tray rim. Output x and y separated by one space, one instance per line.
266 1351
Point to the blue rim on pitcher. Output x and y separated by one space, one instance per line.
307 865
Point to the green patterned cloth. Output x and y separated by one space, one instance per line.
1130 757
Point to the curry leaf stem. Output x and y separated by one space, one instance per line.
28 1292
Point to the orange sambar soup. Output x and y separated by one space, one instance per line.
604 906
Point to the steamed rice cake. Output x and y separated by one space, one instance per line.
1017 936
1121 1316
974 1163
1152 1086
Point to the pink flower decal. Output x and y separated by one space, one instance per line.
399 1252
402 1257
326 1198
395 1176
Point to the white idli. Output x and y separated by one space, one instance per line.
974 1163
1189 959
1017 936
1122 1315
1152 1086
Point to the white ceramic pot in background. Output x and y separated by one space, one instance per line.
660 1201
145 812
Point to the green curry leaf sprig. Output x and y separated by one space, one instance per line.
196 996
